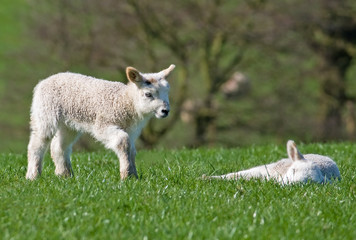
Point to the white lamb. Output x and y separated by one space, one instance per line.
67 104
296 168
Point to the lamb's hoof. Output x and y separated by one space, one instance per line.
31 178
64 173
31 175
204 177
126 175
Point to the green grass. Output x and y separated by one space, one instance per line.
170 202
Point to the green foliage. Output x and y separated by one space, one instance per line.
171 202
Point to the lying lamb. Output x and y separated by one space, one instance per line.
296 168
67 104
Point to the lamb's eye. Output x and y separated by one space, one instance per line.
149 95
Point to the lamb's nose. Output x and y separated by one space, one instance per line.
165 111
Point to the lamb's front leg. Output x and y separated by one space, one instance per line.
229 176
118 141
127 158
255 172
132 159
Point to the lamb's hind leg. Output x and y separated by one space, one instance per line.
61 149
36 149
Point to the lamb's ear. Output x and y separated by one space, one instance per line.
133 75
293 152
167 71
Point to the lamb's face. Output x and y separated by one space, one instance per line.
152 91
154 98
303 171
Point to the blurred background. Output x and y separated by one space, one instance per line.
248 71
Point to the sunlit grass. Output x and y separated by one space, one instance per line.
171 202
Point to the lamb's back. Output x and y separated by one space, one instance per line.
82 98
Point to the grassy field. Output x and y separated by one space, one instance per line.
171 202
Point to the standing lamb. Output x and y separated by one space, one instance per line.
296 168
66 105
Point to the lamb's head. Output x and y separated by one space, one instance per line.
301 170
152 90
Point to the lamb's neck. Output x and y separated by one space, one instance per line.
136 129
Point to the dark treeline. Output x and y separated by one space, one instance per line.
248 72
